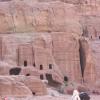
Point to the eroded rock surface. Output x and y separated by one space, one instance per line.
53 40
21 86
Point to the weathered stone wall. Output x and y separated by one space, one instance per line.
87 62
66 55
25 55
32 52
46 33
48 49
95 45
21 86
23 17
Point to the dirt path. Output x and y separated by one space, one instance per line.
64 97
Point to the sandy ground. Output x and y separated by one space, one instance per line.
64 97
93 97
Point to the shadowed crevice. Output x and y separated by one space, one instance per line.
82 58
15 71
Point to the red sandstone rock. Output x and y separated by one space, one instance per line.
22 16
11 87
45 40
88 62
21 86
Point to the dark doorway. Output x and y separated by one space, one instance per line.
41 67
15 71
50 66
52 82
49 77
34 64
99 37
33 93
41 77
27 74
25 63
65 78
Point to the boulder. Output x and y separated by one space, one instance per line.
11 87
21 86
36 86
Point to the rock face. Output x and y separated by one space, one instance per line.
10 87
21 86
87 61
66 55
41 49
38 52
53 40
22 16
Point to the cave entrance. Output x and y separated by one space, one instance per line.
15 71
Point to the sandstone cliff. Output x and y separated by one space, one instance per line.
54 40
